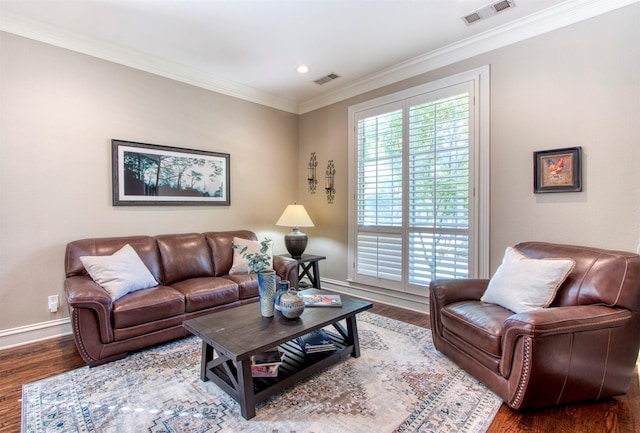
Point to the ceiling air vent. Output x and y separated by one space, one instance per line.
500 6
332 76
488 11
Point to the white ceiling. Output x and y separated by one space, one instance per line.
251 48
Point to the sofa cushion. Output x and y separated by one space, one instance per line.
145 306
478 324
522 284
119 273
251 256
184 256
207 292
247 284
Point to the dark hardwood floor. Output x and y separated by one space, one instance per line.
43 359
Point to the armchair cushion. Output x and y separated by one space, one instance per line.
120 273
522 284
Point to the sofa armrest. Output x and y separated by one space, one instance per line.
287 269
562 352
83 292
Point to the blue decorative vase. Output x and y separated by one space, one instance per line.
291 304
267 291
283 287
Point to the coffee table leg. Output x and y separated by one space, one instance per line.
245 389
205 357
352 331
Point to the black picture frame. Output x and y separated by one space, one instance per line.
155 175
557 170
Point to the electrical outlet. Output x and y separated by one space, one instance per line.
53 303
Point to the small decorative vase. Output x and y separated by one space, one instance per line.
291 304
283 287
267 291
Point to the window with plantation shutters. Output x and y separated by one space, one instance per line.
379 202
414 216
438 187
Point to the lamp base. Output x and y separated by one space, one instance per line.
296 242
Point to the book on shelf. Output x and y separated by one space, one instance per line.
265 364
321 300
270 357
316 341
264 370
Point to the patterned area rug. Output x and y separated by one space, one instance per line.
400 383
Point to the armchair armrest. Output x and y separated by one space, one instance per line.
563 320
83 292
562 352
557 321
446 292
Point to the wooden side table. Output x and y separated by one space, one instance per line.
308 267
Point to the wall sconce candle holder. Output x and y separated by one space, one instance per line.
329 181
311 173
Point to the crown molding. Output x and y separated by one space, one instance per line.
52 35
565 14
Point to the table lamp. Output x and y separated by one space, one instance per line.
295 216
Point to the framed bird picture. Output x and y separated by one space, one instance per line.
558 170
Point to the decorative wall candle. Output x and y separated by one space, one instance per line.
311 173
329 181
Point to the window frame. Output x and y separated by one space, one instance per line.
479 176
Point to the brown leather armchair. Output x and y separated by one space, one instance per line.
583 347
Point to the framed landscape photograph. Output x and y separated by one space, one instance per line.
558 170
154 175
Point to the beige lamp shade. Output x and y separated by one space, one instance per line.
295 216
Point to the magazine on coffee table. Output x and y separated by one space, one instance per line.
321 300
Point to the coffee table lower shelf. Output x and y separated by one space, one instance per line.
295 367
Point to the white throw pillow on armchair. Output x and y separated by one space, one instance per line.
523 284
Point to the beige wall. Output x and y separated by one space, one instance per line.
61 109
577 86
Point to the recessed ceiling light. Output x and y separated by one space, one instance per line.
302 69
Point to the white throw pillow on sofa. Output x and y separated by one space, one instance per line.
120 273
251 254
523 284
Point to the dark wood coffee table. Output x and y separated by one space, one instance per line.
230 337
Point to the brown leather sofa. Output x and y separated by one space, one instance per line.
583 347
193 273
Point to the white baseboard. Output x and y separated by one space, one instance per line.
33 333
409 301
